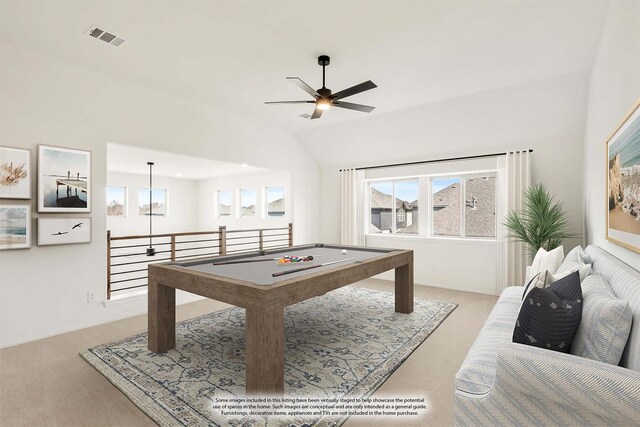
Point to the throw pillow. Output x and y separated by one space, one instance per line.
575 255
584 270
606 322
543 261
549 317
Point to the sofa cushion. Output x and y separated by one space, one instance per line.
625 283
605 325
550 317
477 373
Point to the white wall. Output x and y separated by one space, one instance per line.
614 89
547 116
49 100
207 196
182 205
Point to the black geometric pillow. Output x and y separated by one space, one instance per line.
549 317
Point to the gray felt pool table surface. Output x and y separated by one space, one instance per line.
260 273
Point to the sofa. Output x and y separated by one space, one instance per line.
504 383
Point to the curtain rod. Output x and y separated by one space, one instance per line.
479 156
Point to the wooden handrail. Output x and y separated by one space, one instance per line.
259 241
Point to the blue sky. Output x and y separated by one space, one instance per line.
224 197
117 194
159 196
274 193
408 190
439 184
247 197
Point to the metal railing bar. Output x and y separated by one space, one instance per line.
243 244
138 246
140 262
274 235
130 287
197 256
256 229
241 250
196 241
146 236
128 280
276 240
195 249
242 237
129 271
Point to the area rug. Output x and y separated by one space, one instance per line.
345 343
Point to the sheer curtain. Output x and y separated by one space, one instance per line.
352 207
514 178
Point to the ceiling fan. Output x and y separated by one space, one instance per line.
324 99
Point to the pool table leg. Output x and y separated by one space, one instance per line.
404 288
265 350
162 317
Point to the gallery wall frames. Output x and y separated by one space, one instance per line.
15 226
623 182
15 173
63 231
64 179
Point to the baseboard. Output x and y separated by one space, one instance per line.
188 298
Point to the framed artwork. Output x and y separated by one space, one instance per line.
116 201
623 183
15 226
64 179
15 173
63 231
157 206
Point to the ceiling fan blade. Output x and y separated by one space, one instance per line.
305 87
316 114
290 102
354 90
351 106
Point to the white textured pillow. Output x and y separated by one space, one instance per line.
543 263
584 270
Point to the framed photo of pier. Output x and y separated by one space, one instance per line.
623 182
64 179
15 226
15 173
63 231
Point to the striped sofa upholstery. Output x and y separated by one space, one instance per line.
505 384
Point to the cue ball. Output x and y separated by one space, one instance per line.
344 251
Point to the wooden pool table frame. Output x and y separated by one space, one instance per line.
265 304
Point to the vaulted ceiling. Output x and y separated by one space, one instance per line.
238 53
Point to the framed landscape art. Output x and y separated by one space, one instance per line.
623 182
15 226
64 179
15 173
63 231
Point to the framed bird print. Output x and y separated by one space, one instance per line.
63 231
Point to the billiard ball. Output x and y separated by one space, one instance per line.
344 252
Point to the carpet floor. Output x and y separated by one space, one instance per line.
345 343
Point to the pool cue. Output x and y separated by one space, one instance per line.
295 270
242 261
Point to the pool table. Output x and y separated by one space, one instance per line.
252 285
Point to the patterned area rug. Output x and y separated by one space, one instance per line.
345 343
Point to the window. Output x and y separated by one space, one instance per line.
480 207
224 203
393 199
248 202
159 200
275 201
446 207
116 201
464 206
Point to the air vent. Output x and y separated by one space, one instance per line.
105 36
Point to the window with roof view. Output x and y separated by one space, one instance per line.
275 201
394 207
248 199
464 206
224 202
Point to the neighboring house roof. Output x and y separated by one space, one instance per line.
224 209
249 210
380 200
276 205
410 229
479 221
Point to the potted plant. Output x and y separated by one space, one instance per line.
542 223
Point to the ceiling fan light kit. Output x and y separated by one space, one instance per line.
324 98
